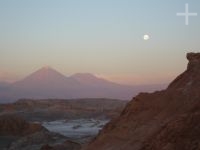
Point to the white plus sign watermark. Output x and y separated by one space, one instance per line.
186 14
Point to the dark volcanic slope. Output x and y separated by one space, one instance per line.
165 120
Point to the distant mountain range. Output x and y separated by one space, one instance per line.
49 83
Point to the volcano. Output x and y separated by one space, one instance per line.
47 83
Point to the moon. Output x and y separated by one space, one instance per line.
146 37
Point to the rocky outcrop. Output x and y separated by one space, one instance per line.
164 120
18 134
44 140
17 126
190 78
67 145
47 147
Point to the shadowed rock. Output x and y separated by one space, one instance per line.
165 120
17 126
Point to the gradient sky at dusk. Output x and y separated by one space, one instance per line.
103 37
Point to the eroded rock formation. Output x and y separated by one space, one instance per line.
17 126
164 120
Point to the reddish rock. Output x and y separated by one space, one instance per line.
47 147
67 145
164 120
17 126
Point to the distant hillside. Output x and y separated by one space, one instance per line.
55 109
49 83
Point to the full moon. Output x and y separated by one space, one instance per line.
146 37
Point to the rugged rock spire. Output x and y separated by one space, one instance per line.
191 77
194 61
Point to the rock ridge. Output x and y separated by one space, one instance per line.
163 120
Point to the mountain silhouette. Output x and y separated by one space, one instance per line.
91 80
49 83
46 77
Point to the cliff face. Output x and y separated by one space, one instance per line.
164 120
19 134
17 126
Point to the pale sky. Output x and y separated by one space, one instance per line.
103 37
